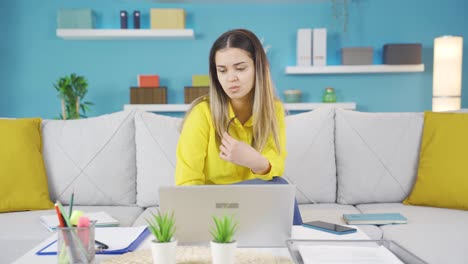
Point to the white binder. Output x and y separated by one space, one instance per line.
319 48
304 47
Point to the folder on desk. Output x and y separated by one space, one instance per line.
119 239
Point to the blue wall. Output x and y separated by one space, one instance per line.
33 58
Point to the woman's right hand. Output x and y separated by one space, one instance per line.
240 153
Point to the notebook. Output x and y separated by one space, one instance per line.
102 219
120 240
374 219
264 212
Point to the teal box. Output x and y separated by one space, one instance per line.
75 18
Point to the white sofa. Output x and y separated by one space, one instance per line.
341 162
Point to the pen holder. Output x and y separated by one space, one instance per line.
75 244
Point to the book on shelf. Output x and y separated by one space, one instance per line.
102 219
148 80
374 219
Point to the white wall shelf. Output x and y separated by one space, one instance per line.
116 34
340 69
185 107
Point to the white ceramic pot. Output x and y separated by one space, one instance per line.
164 252
223 253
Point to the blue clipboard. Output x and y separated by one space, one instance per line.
130 248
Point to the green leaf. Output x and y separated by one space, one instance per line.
224 229
162 226
70 88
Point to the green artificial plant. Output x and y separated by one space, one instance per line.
71 91
340 12
162 226
224 229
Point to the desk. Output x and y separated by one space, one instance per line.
297 232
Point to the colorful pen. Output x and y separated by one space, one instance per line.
71 204
59 215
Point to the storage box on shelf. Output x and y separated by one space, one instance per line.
193 92
357 56
148 95
402 54
76 18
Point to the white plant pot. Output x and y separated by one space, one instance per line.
164 252
223 253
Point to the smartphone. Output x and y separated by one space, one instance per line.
329 227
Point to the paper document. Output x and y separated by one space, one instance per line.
347 254
119 239
102 219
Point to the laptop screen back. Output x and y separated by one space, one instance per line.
264 213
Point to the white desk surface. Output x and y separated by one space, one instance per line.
298 232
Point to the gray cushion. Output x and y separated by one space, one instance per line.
156 143
436 235
94 157
310 160
376 155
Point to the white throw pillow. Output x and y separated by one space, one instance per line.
310 163
376 155
156 144
93 157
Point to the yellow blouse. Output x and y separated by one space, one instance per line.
198 160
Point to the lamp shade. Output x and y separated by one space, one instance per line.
447 76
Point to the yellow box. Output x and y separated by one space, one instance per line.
200 80
167 18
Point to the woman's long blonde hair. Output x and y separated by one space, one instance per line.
263 109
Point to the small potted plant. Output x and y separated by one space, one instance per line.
163 247
71 91
223 247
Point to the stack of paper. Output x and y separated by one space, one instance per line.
347 254
374 219
102 219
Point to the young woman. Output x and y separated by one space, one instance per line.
236 135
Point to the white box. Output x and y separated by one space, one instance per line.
319 47
304 47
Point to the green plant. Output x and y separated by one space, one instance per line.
340 13
72 90
224 230
162 226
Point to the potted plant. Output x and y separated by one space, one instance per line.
223 247
72 90
163 248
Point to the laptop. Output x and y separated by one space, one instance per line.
264 212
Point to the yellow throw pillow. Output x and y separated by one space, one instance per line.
23 181
443 162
